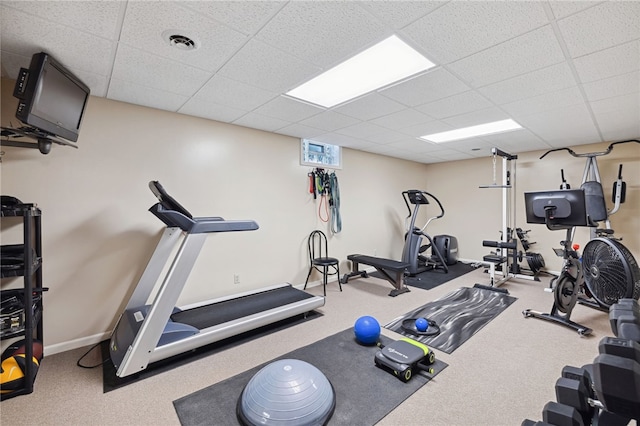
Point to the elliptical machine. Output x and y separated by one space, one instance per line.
413 247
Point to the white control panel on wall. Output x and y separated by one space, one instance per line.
319 154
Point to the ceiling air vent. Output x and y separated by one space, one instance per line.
179 40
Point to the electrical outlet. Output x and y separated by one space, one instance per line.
236 278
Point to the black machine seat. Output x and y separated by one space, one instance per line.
384 266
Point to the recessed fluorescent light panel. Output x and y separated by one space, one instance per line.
389 61
470 132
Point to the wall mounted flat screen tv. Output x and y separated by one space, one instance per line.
51 98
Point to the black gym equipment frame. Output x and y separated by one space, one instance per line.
146 333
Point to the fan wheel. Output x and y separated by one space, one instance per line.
610 271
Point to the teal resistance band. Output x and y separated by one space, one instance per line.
334 203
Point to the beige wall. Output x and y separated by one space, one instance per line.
98 234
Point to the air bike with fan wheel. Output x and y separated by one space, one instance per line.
607 271
152 331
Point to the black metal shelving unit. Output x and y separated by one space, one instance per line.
29 322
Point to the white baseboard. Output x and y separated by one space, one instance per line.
75 344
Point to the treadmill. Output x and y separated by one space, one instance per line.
146 333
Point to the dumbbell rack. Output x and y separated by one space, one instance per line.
29 322
606 392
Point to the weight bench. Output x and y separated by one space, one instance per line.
392 270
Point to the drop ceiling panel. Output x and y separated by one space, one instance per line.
546 102
225 91
362 130
600 27
563 8
609 62
486 115
369 107
618 117
329 121
323 33
426 128
412 145
563 126
401 119
620 125
261 122
288 109
386 137
146 69
382 149
428 87
553 78
534 50
216 42
126 91
439 33
613 87
450 155
244 16
456 105
517 141
25 34
99 18
203 108
300 131
267 67
398 14
620 103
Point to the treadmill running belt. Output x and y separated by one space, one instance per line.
228 310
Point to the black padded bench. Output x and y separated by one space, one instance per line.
392 270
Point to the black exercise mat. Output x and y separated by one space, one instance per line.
112 382
431 279
364 392
460 314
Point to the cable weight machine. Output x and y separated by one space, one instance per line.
503 263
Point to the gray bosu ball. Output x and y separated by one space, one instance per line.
287 392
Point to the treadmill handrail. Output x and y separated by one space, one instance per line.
200 225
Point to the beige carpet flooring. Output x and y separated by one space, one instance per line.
503 374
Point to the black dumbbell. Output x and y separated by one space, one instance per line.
617 383
575 394
607 418
583 375
624 348
561 415
625 311
629 328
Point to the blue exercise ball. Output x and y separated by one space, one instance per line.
367 330
422 324
287 392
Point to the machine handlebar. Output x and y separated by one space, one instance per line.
589 154
417 197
